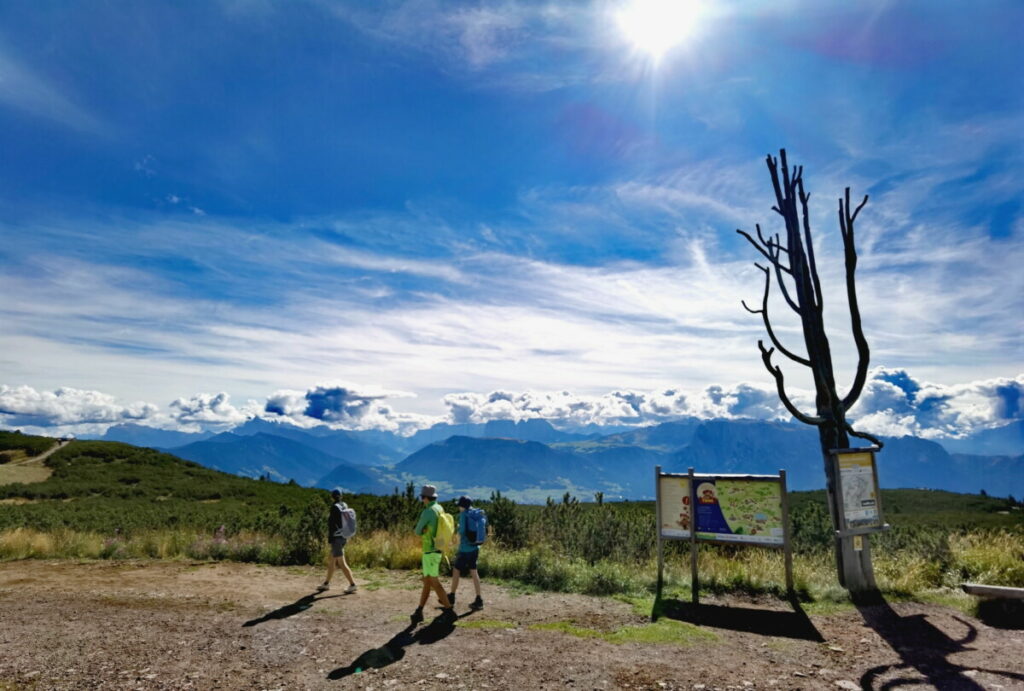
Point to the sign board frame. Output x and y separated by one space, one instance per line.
693 536
847 528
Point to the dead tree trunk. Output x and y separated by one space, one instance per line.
793 265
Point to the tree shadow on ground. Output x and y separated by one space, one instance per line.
795 624
923 648
394 650
300 605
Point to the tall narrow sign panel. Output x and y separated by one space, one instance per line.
858 481
676 512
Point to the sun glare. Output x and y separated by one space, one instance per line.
655 26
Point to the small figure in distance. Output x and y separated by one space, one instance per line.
465 560
426 528
340 527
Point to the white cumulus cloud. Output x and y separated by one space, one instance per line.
895 403
207 409
23 406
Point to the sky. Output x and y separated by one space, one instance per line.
381 215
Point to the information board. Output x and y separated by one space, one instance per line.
676 514
722 508
739 511
859 484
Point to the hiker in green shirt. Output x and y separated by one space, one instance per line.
426 528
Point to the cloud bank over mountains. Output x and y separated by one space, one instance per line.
894 403
23 406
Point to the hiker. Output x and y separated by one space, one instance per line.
469 552
341 525
426 528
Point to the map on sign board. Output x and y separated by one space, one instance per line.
860 498
737 510
676 515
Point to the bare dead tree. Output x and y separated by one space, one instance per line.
791 261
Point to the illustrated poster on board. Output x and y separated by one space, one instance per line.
739 511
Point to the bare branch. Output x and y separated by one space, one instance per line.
850 252
782 287
754 242
863 435
775 371
819 299
859 206
767 323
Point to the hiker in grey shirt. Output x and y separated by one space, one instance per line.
335 523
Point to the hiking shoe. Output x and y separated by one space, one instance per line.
351 589
416 617
448 614
451 598
322 587
478 603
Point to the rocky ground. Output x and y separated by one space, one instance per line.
160 625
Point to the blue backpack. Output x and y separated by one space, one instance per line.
476 526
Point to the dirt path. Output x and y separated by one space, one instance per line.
29 469
152 625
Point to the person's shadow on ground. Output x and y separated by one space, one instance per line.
394 650
300 605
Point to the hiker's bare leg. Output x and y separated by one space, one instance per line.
476 581
425 593
441 595
330 569
346 570
455 580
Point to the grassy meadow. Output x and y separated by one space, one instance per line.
106 500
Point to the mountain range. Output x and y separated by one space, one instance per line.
531 459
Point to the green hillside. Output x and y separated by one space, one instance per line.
116 490
120 491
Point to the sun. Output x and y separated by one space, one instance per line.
655 26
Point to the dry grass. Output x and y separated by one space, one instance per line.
26 473
994 559
383 549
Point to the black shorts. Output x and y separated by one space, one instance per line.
466 562
338 546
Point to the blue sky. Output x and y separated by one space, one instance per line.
409 201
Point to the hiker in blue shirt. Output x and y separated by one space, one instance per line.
465 560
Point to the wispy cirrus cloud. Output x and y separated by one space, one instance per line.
28 91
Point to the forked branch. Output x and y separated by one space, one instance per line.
776 371
772 250
767 324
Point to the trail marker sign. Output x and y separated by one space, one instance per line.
857 490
